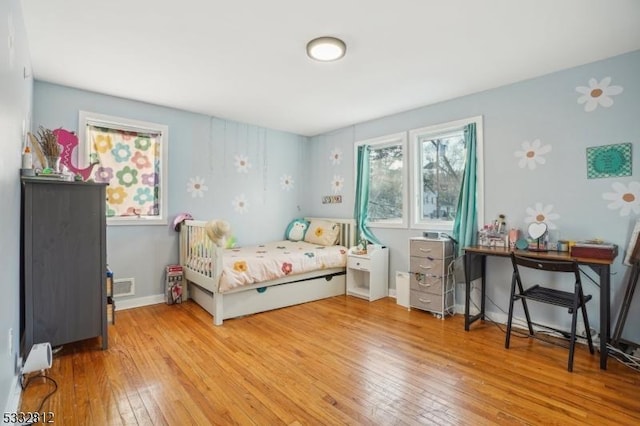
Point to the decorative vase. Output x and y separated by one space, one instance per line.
53 163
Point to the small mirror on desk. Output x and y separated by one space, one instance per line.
537 232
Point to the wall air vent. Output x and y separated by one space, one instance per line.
124 287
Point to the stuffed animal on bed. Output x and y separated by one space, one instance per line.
296 230
219 231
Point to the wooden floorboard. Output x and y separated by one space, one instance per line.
341 360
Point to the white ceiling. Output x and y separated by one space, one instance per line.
245 60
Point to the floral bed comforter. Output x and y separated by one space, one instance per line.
254 264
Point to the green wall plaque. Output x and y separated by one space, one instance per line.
609 161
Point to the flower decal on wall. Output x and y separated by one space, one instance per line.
337 183
196 187
532 154
241 162
240 204
598 93
541 213
286 182
624 198
336 156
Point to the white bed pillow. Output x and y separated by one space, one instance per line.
322 232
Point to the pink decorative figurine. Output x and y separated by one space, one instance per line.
69 141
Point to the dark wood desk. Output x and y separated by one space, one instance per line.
475 264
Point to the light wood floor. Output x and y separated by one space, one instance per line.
336 361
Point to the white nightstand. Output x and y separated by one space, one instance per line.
368 274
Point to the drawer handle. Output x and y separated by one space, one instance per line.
425 267
423 284
424 250
424 300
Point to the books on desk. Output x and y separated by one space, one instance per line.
594 250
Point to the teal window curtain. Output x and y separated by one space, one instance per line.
465 225
362 196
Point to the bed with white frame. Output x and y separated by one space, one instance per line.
203 282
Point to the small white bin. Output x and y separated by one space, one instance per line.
402 289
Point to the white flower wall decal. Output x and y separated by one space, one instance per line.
286 182
337 183
336 156
240 204
196 187
624 198
241 162
541 213
532 154
597 93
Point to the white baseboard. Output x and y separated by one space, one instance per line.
15 394
138 302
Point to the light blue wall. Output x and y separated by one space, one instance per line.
199 147
544 108
15 109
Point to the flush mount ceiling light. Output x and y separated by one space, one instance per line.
326 49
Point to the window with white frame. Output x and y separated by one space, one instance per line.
131 157
387 181
439 159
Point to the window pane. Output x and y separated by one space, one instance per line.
386 184
442 167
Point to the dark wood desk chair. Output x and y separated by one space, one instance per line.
573 301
